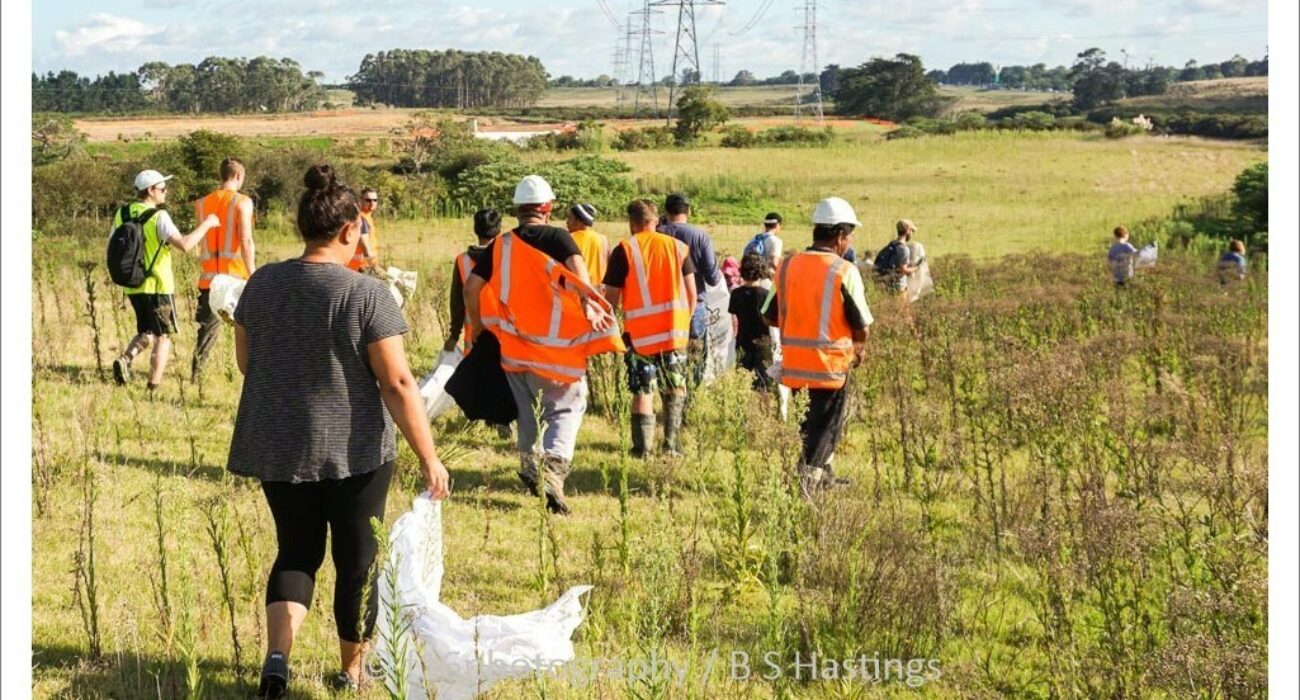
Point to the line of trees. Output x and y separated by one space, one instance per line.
1061 78
216 84
455 79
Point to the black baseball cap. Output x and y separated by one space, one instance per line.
772 218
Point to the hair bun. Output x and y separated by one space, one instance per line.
319 177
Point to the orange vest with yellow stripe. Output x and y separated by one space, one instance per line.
487 303
656 310
539 319
358 260
816 339
220 253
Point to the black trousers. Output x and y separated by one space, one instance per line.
823 424
303 512
209 331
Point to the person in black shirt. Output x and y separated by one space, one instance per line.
487 224
753 338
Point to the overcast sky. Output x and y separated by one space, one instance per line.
577 38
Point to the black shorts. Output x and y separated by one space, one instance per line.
203 312
154 313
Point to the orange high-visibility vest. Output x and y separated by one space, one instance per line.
540 320
487 303
595 252
358 260
816 339
656 310
220 253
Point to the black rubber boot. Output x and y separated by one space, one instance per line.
643 434
674 412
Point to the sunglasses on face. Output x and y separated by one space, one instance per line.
372 201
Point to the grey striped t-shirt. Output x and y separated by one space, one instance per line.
310 408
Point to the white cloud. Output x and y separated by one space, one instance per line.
105 33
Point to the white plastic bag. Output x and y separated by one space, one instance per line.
401 283
433 385
223 296
1146 256
454 657
919 283
720 355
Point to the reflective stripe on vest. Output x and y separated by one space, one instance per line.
656 326
819 361
217 262
552 339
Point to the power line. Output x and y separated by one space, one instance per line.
758 17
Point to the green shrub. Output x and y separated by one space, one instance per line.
737 136
588 136
647 137
601 181
1251 190
203 151
1117 129
796 135
1032 121
904 132
970 121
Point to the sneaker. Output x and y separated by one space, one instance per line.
275 677
121 371
344 683
811 480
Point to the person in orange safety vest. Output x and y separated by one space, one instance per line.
819 304
367 255
227 250
651 274
594 245
549 320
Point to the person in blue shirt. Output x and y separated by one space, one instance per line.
1232 265
705 261
1121 256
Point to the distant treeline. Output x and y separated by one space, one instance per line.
216 84
454 79
1061 78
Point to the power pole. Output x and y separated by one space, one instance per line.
808 63
646 68
686 52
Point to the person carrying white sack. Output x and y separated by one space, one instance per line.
325 380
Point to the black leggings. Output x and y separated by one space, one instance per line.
303 512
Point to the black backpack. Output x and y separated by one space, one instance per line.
126 264
890 258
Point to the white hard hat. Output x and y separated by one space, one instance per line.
834 210
533 190
148 178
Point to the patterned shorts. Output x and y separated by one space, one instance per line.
663 371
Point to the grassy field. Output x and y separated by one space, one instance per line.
1227 95
1059 490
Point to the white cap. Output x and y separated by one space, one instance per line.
533 190
834 210
148 178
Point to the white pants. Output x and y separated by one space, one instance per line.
558 405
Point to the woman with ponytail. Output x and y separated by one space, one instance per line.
325 379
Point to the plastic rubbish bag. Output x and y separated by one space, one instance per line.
440 651
919 283
401 283
433 385
720 353
1146 256
223 296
